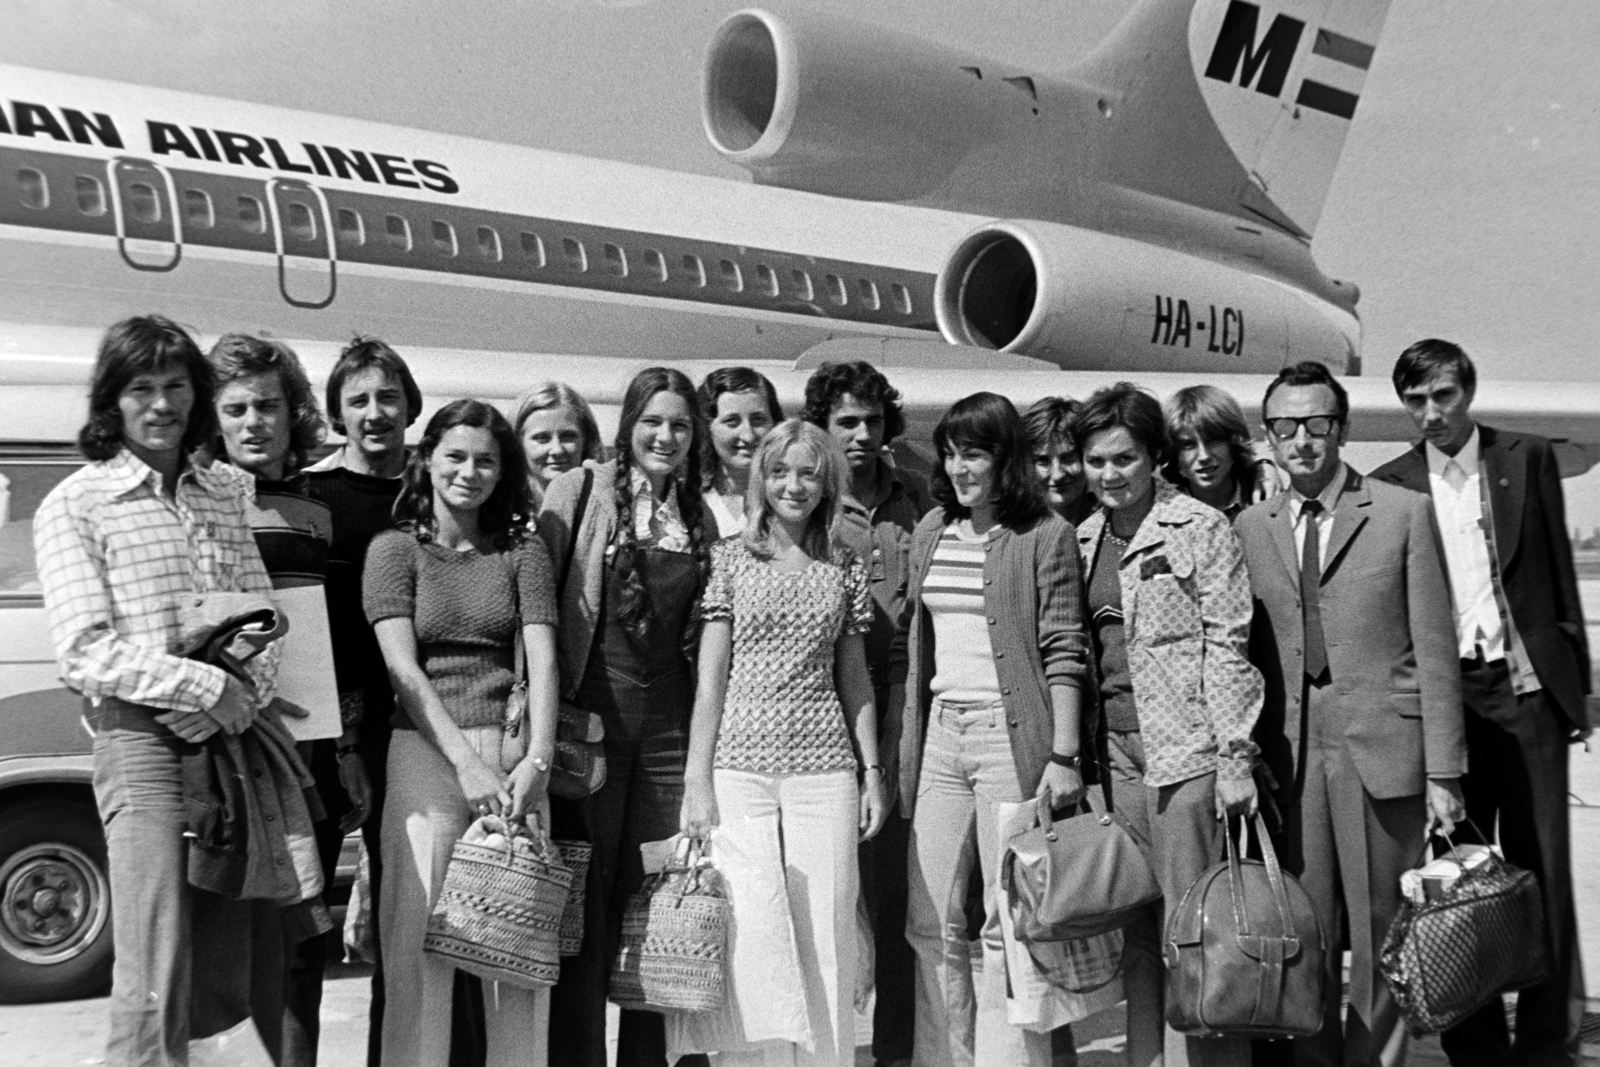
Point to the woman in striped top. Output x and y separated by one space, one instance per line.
997 658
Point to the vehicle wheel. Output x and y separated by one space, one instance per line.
55 902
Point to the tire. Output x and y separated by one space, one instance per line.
55 902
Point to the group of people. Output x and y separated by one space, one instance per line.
831 670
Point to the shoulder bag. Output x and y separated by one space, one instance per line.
1244 950
579 766
514 731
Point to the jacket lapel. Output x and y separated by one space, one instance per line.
1349 515
1505 473
1411 471
1282 527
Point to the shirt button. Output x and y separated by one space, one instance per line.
991 620
1005 692
988 581
999 655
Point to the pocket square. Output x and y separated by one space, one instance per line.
1153 566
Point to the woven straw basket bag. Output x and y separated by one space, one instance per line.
675 939
500 909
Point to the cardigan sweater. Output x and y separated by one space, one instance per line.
1033 596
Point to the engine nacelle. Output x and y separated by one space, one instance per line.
1089 300
849 109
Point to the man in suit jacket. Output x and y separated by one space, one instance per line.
1362 724
1524 669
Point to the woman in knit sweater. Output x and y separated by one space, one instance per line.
783 688
631 540
997 661
445 593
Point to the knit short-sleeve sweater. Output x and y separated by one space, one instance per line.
465 613
782 713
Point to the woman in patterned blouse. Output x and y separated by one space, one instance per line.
783 685
1170 604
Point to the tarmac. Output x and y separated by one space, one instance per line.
73 1032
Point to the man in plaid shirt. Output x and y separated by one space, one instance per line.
119 543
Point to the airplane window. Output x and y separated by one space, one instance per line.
802 285
197 211
616 260
398 230
351 228
489 243
35 190
251 218
901 297
836 289
444 238
143 203
91 195
766 280
577 258
533 248
655 264
300 223
869 294
732 278
695 269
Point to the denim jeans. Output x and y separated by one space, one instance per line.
967 771
139 790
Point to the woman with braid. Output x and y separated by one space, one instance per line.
631 543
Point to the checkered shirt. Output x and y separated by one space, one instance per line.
115 557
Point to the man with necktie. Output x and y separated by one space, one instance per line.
1524 671
1362 723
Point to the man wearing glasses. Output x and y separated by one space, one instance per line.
1362 726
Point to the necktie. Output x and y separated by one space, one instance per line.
1316 658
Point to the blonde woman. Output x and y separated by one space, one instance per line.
557 431
773 777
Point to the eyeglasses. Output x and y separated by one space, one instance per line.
1316 425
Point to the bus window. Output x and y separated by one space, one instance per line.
23 485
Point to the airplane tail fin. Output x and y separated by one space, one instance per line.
1278 80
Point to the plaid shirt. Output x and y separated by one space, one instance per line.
115 556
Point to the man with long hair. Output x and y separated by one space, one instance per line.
119 544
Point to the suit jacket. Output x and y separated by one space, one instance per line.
1390 630
1534 556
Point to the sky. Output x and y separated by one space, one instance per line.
1466 204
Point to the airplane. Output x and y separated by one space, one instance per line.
1148 214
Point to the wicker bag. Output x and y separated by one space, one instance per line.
498 913
675 938
1483 936
576 855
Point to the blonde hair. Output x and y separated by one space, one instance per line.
822 528
545 396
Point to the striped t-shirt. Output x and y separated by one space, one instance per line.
963 668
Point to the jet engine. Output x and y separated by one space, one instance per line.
849 109
1084 299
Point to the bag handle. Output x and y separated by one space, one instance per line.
1269 859
572 532
519 653
1429 835
1045 816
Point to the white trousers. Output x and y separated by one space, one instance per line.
424 813
787 846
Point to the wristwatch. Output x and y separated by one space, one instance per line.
1066 761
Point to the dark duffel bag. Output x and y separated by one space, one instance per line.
1482 937
1244 950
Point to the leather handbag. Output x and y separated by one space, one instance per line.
1483 936
578 768
1075 878
1244 950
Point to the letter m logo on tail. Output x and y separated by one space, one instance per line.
1281 79
1236 47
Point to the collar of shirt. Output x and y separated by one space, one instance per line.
661 524
1468 459
1329 495
125 472
886 472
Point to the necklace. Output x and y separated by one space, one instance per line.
1114 539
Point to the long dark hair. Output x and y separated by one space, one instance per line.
143 345
504 516
634 610
990 422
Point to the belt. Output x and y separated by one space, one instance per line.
1478 663
114 713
